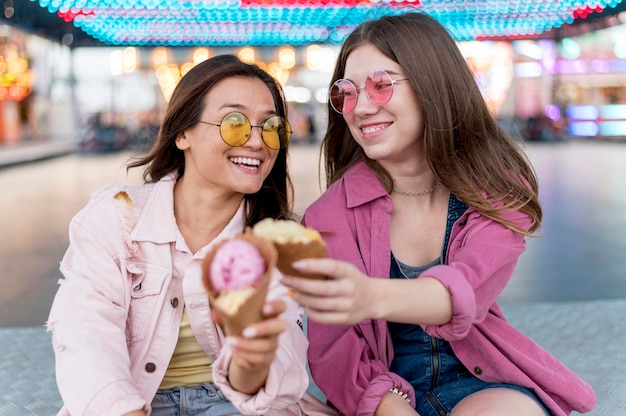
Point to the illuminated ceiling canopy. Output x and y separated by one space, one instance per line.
299 22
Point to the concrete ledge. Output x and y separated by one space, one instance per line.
589 337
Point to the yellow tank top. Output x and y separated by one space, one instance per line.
189 365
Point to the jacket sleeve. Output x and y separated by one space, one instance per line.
87 321
350 364
288 378
482 256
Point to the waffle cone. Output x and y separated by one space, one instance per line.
249 312
294 251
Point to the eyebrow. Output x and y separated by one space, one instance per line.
389 71
241 108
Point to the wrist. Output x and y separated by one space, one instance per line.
377 306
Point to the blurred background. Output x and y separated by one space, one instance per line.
84 83
100 73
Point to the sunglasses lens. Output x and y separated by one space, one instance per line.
379 87
276 132
235 129
343 96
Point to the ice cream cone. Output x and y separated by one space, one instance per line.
247 303
292 251
294 242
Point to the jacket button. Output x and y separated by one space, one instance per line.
174 302
150 367
478 370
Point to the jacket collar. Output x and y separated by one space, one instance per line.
156 222
362 185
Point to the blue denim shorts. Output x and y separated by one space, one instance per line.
203 400
445 397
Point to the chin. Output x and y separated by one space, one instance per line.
247 190
375 154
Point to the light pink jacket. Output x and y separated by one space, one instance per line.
116 316
481 257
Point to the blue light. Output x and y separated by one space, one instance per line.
582 112
613 128
264 22
613 112
584 128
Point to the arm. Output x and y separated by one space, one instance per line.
287 378
446 299
481 260
349 296
87 321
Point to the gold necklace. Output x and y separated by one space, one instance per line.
396 190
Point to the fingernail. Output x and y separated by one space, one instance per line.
299 265
248 332
232 341
267 309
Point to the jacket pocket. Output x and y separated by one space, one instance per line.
146 297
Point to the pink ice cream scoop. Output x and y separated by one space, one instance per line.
237 264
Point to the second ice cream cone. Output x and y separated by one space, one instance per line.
291 252
294 242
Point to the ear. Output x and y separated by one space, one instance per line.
181 141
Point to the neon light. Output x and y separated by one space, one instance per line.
613 112
298 22
584 128
613 128
553 112
582 112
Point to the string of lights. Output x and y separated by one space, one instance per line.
299 22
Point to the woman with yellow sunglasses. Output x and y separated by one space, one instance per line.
132 328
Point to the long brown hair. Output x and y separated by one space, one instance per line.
465 148
274 199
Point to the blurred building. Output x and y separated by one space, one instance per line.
49 91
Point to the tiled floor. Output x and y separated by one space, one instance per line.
569 293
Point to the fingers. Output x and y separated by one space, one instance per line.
328 267
341 299
273 308
311 287
255 353
257 346
320 297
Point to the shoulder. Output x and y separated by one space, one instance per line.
358 187
108 201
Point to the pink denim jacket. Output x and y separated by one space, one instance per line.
481 258
116 316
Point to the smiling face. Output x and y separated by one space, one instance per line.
209 161
391 132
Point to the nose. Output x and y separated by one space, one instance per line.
364 104
255 139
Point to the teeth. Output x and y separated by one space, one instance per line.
373 129
245 161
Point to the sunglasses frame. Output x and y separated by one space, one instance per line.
358 90
284 121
